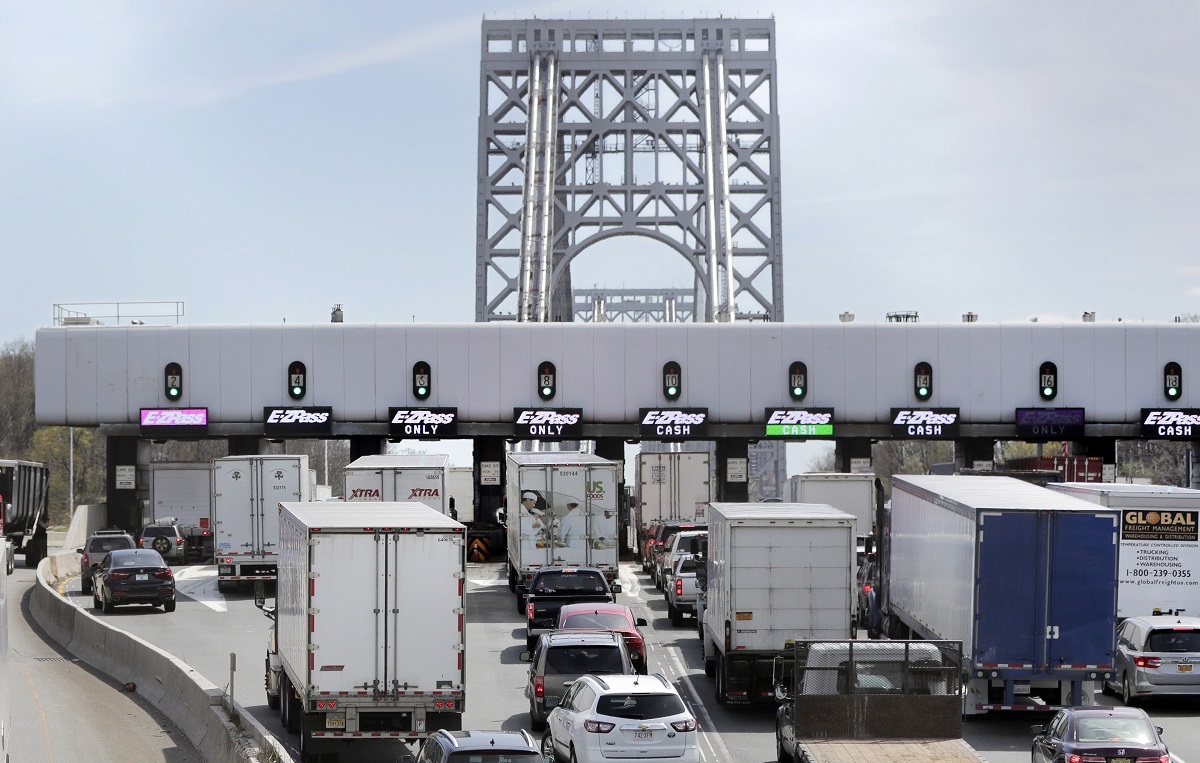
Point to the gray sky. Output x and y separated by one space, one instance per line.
262 161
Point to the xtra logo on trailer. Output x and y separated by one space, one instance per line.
364 494
548 423
298 421
174 421
422 422
673 423
932 423
1172 424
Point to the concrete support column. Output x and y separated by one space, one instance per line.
1104 447
1191 477
731 491
362 445
613 448
847 448
490 497
124 508
244 445
969 451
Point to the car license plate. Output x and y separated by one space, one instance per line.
141 577
335 721
1021 688
638 735
1185 668
1120 760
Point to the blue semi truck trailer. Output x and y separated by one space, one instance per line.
1024 577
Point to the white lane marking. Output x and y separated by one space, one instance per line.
674 665
199 583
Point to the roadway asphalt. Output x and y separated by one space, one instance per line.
208 626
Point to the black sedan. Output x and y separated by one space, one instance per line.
134 576
1099 734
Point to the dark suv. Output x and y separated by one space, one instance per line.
96 550
168 540
479 747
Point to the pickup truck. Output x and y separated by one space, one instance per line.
865 701
551 589
682 589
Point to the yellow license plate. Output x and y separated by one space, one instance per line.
1185 668
335 721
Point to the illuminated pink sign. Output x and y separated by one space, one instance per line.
175 417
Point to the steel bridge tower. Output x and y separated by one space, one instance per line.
591 129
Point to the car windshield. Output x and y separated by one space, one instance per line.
577 660
487 756
1174 641
1106 729
689 544
562 582
596 621
104 545
138 560
640 706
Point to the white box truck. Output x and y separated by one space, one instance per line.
400 477
182 491
1159 556
672 486
852 493
368 641
460 484
246 491
562 512
777 572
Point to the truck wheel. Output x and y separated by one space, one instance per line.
710 664
675 615
720 680
85 585
272 699
512 580
520 604
307 753
285 687
535 723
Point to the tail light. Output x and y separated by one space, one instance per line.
163 574
598 727
529 610
1158 759
179 541
118 576
539 687
86 561
1147 662
444 704
866 587
1085 759
688 725
327 704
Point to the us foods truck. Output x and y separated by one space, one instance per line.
672 486
183 492
407 477
852 493
777 572
561 512
1159 558
25 507
246 491
368 640
1023 576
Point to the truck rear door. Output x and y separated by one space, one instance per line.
1081 595
233 496
1007 611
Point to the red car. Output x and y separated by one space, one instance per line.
608 617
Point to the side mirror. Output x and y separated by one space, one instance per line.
526 656
500 516
782 694
79 550
1158 729
260 594
1037 729
869 545
616 588
640 622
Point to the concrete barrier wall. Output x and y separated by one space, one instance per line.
190 700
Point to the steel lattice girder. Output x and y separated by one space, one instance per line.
630 147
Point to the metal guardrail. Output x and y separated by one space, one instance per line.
114 313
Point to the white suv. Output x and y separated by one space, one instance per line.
613 716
